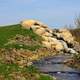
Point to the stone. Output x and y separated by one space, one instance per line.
52 43
66 35
72 51
45 38
29 63
28 23
64 45
58 39
40 31
46 44
34 28
47 34
49 30
57 45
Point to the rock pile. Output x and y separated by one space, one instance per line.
59 40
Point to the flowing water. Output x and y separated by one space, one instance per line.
55 66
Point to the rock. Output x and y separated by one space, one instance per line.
57 45
46 44
40 31
49 30
49 39
66 35
28 23
29 63
45 38
34 28
72 51
64 45
47 34
58 39
52 43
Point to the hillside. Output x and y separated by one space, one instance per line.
18 47
13 36
22 44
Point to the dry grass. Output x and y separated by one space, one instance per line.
76 34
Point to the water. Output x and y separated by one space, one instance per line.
55 66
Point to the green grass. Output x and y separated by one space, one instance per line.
29 47
6 69
45 77
28 72
8 32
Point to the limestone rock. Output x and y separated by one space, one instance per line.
40 31
57 45
46 44
47 34
58 39
34 28
72 51
49 30
52 43
66 35
28 23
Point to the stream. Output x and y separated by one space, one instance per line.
55 66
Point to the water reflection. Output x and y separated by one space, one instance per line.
60 71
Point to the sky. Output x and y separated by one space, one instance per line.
55 13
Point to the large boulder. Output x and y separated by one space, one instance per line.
46 44
34 28
66 35
27 24
40 31
57 45
58 39
50 42
47 34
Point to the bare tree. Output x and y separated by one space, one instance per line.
77 22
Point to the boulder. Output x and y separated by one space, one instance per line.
40 31
58 39
71 51
34 28
28 23
45 38
64 45
47 34
46 44
66 35
57 45
48 30
52 43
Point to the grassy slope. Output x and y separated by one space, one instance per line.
13 71
11 31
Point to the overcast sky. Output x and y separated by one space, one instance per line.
52 12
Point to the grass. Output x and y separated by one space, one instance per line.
10 72
45 77
76 34
29 47
8 32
